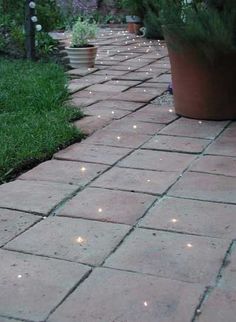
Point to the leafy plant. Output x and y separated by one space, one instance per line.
45 45
134 7
208 26
82 31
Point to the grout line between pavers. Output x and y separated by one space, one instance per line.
209 290
14 318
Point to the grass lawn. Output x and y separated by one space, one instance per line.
34 123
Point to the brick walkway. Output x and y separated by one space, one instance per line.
136 223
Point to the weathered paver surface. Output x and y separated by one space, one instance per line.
137 223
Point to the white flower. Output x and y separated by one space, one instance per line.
32 4
38 27
34 18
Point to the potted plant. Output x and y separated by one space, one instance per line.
80 52
136 10
201 40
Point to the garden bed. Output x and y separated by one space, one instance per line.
34 119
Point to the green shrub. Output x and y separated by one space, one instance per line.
82 31
208 26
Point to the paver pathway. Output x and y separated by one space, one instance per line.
137 223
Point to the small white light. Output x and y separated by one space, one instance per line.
189 245
170 110
83 169
38 27
19 276
100 210
134 126
80 240
145 303
32 4
174 220
118 137
112 112
148 180
34 18
99 116
200 122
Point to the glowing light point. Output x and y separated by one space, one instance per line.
118 138
80 240
145 303
99 116
170 110
83 169
134 126
112 112
174 220
189 245
148 180
200 122
19 276
100 210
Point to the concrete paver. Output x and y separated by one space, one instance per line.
153 182
30 196
192 217
204 186
176 143
108 205
12 223
77 240
92 153
77 173
181 257
157 160
31 286
129 297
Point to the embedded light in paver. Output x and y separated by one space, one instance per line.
200 122
145 303
80 240
112 112
100 210
99 116
148 180
118 137
83 169
170 110
189 245
134 126
19 276
174 220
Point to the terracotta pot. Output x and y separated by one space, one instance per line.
82 57
203 89
133 28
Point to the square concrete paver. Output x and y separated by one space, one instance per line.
39 197
157 160
175 143
216 165
105 112
32 286
170 255
195 128
204 186
155 114
219 306
76 240
121 105
192 217
92 153
78 173
108 205
129 125
153 182
12 223
224 144
117 138
107 88
119 296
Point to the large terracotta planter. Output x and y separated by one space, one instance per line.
82 57
134 24
203 89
